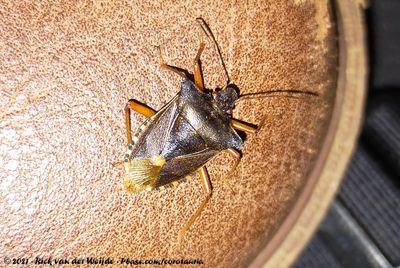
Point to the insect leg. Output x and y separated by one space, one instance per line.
207 31
176 70
205 181
118 163
239 125
139 108
237 157
198 76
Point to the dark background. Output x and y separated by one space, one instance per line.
362 228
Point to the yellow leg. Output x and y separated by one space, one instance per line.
139 108
118 163
237 157
207 31
239 125
198 76
205 181
169 67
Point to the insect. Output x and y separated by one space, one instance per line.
184 135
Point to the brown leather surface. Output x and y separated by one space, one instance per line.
66 72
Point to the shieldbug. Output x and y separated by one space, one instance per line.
183 135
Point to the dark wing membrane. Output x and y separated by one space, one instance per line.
179 167
182 139
152 140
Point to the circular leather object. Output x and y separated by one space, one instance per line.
68 69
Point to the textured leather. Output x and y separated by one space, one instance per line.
66 72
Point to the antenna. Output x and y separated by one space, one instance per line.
290 93
207 31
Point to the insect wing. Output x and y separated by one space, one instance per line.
182 139
155 133
179 167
